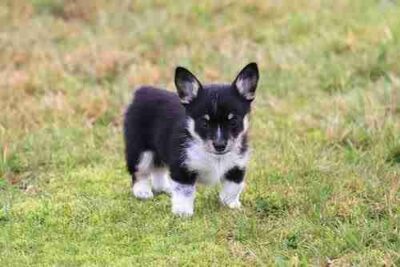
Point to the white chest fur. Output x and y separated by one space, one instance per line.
210 167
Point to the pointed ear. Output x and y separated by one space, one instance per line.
187 85
246 81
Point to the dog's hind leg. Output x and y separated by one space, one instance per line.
160 180
141 178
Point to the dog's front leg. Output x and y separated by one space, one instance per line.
232 186
183 192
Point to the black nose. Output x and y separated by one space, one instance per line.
219 145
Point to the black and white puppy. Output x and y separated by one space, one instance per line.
199 135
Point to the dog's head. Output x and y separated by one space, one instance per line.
217 114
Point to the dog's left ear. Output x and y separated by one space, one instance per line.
246 81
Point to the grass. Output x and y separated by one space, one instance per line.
324 179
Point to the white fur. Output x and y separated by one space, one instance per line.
160 180
142 188
182 199
211 167
191 89
219 132
230 193
244 85
145 162
245 124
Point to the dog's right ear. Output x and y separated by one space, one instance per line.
187 85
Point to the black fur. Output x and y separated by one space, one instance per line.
235 175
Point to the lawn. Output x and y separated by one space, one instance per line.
324 178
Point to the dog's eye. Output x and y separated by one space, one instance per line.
233 122
204 123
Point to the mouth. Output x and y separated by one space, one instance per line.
220 153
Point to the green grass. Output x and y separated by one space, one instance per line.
324 178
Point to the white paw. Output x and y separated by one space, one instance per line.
231 203
182 199
234 205
182 211
230 194
160 188
142 191
160 181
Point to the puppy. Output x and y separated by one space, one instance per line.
198 135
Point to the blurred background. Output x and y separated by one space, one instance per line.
324 178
